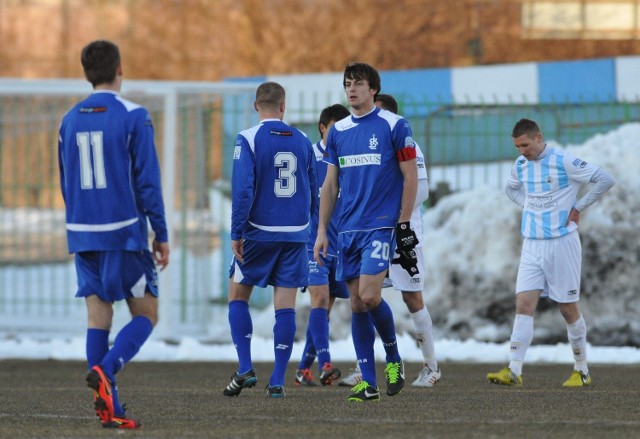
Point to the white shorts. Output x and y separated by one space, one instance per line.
551 266
399 279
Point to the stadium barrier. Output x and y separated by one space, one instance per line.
465 145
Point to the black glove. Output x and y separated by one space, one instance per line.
408 260
406 238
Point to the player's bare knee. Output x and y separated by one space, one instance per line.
413 300
570 312
370 302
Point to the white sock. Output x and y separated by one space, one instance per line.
577 334
424 335
521 338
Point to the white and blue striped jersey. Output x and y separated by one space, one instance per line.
272 183
109 175
549 186
371 183
320 152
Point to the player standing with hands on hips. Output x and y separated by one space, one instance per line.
545 181
372 162
273 190
110 180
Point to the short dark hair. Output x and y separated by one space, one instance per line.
270 94
525 126
388 102
100 60
333 112
362 71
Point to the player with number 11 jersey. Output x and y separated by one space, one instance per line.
104 141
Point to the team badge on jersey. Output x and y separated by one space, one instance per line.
409 143
236 152
579 163
373 142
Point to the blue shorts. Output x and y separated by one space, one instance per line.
116 275
281 264
364 253
326 275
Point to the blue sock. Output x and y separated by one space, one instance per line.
241 327
382 318
319 325
97 348
364 336
97 345
117 407
309 351
284 332
126 345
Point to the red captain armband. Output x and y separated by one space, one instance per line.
406 153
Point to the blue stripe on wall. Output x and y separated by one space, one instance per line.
418 86
577 81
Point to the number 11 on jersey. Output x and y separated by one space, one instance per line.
90 146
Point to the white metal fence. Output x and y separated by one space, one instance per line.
37 278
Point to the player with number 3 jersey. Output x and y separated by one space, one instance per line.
273 190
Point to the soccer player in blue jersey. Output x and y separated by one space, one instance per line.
110 180
323 286
411 287
372 160
274 190
545 182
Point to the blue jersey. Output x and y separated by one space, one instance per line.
109 175
272 183
319 150
365 151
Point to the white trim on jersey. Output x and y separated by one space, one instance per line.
280 228
101 227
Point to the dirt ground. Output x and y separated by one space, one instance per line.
181 400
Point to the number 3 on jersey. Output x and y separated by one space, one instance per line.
90 146
286 164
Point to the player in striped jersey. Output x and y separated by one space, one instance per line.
372 163
545 182
110 180
323 286
273 189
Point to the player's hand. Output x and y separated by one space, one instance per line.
574 216
406 238
160 254
320 247
408 260
238 251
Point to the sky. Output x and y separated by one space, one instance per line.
453 243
